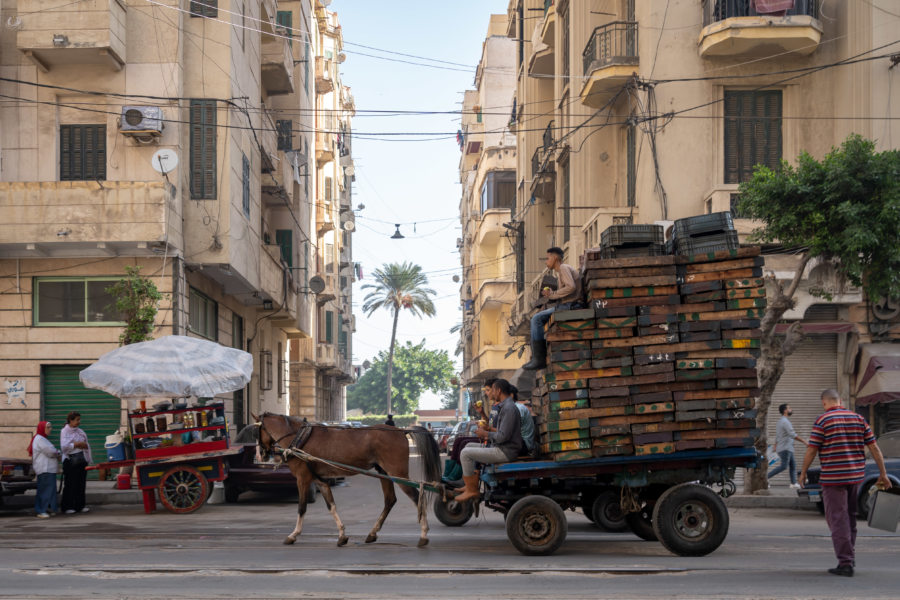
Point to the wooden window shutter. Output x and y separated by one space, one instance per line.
203 149
82 152
752 132
328 186
283 128
631 165
245 181
285 240
285 19
329 326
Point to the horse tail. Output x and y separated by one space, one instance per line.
429 451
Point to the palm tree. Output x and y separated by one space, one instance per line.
398 286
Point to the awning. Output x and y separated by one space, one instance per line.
878 378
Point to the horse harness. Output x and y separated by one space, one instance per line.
300 438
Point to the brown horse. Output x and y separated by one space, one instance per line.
380 447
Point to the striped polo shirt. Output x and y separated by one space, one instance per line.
841 436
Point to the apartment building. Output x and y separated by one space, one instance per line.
101 98
487 171
645 112
321 365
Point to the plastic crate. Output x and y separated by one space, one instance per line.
702 225
620 235
709 243
630 251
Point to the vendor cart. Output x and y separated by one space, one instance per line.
181 457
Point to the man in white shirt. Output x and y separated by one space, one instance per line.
567 296
784 445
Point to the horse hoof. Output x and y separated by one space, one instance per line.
288 541
422 542
342 541
372 537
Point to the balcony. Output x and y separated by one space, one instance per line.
491 361
724 198
325 147
548 29
331 290
495 293
541 61
276 284
324 75
277 70
543 168
91 32
732 29
324 216
610 60
489 228
47 217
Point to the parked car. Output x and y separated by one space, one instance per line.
440 436
16 477
890 447
247 473
462 429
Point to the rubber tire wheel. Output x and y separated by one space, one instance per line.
182 489
452 513
232 492
536 526
587 503
641 524
607 513
690 520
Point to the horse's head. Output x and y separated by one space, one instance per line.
265 439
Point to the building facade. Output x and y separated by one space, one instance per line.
627 113
487 171
175 137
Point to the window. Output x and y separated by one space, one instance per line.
203 149
82 152
75 301
237 331
564 46
245 184
566 200
328 189
306 66
285 20
329 258
284 239
631 165
498 190
265 370
752 132
203 315
283 128
342 342
329 327
282 364
205 8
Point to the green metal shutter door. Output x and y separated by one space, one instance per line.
101 414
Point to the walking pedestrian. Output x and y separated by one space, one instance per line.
76 452
45 461
839 437
784 446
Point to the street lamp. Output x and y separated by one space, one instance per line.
397 235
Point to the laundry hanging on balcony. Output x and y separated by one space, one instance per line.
771 7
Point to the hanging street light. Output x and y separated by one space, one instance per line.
397 235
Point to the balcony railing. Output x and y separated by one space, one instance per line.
719 10
547 138
615 43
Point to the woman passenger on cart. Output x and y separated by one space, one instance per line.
76 453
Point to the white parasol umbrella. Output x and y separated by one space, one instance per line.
173 366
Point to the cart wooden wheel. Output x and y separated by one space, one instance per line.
183 489
536 525
607 512
690 520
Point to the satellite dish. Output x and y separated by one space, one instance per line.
348 226
317 285
456 279
350 171
164 161
341 57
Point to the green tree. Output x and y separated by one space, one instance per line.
396 287
415 369
137 300
844 210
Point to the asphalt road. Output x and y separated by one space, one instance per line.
117 551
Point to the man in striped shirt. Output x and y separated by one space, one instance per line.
840 437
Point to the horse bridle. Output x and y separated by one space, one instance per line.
300 436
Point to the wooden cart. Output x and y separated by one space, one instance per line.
181 469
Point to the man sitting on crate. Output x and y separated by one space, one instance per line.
505 443
568 296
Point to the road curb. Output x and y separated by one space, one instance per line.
748 501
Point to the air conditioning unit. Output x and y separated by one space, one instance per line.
141 121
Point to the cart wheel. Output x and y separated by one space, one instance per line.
182 489
641 523
453 513
536 525
607 513
690 520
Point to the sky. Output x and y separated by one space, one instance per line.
413 183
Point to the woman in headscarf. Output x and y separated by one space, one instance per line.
45 459
76 457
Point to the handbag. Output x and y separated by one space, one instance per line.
77 461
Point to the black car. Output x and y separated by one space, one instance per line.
16 477
890 447
462 429
247 473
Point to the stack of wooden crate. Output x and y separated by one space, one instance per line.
663 360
